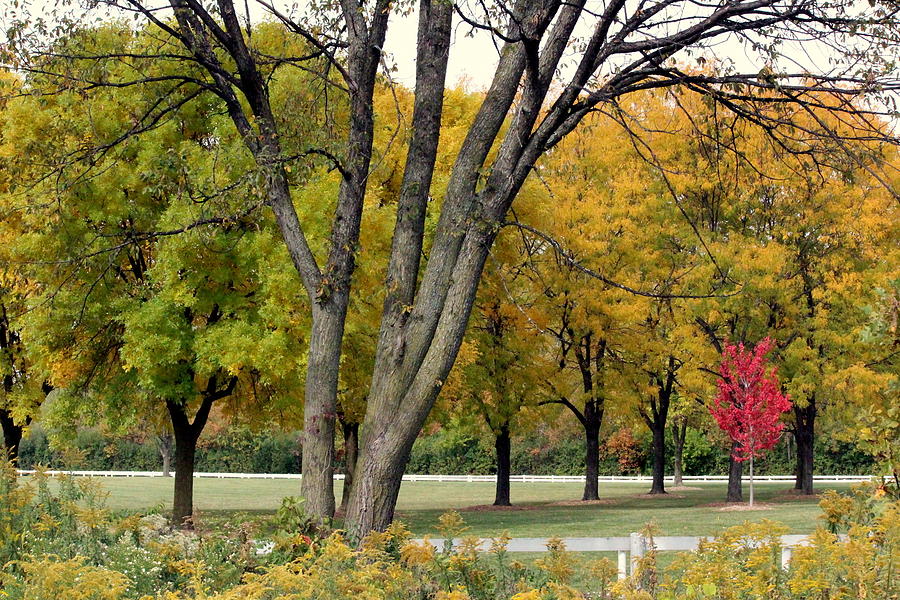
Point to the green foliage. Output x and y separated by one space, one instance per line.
56 539
235 449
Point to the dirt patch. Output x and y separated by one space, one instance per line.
659 496
600 502
493 508
682 488
738 506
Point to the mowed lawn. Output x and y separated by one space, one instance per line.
542 509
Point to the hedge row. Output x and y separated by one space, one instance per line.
241 450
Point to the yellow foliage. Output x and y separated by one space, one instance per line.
50 579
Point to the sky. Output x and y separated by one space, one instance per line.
473 58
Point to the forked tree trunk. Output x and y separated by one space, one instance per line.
186 434
12 435
591 461
804 432
659 459
657 417
679 435
503 451
351 454
735 472
422 330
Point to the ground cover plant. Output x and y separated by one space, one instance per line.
63 541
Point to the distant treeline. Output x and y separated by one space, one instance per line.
242 450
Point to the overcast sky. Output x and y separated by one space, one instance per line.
472 58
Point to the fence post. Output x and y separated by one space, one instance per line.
786 553
637 551
623 564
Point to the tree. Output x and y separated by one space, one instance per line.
502 380
131 326
656 418
22 390
749 403
531 104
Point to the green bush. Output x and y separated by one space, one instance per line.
239 449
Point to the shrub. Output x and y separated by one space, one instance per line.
58 541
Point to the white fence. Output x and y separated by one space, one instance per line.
634 546
467 478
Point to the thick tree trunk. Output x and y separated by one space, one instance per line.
376 484
659 459
679 434
413 361
351 454
735 472
183 500
804 432
591 462
502 449
12 434
320 408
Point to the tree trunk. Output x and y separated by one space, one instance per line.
751 480
164 445
591 462
183 500
735 472
679 435
376 484
502 448
656 418
12 434
413 362
351 453
804 432
186 434
659 458
320 408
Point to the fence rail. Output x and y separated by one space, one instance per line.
632 547
466 478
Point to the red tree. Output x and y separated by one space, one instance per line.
749 402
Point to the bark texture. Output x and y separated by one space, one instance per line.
804 433
502 452
591 461
658 486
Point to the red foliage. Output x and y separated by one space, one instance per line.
749 402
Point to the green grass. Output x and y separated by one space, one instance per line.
540 511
